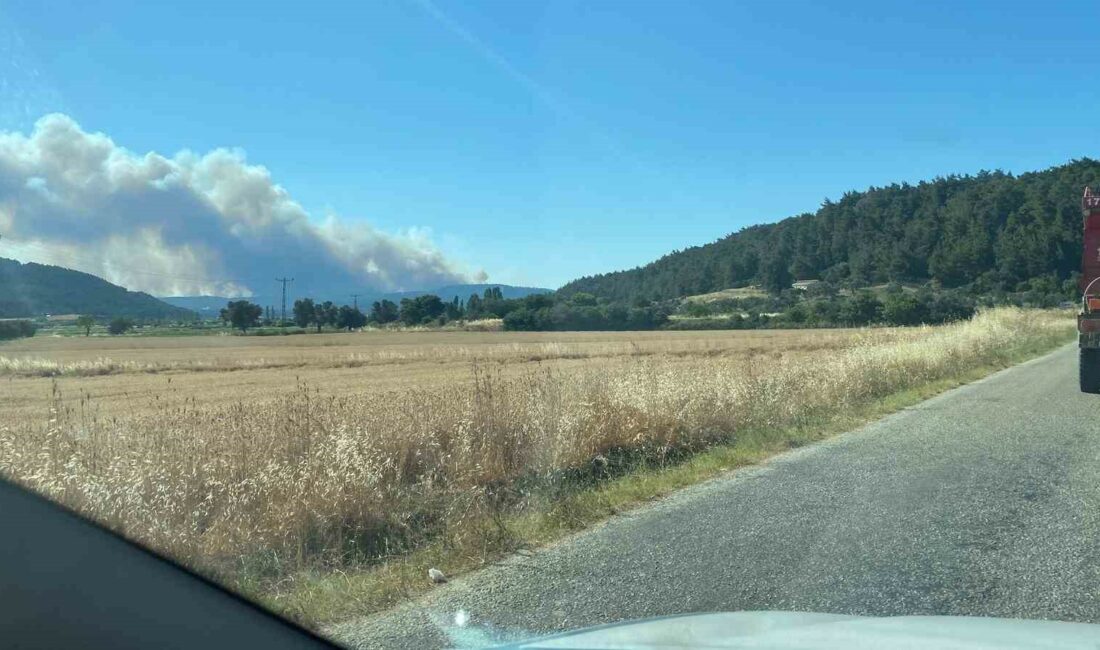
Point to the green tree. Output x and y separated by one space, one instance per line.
384 311
904 309
474 307
422 309
119 326
454 310
798 313
241 314
305 313
13 329
861 309
952 306
775 272
525 320
583 299
85 323
822 289
350 318
823 312
697 309
325 314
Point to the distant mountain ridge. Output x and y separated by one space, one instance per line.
30 290
993 230
463 291
209 306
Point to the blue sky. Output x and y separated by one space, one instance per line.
543 141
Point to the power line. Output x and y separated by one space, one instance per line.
355 299
284 281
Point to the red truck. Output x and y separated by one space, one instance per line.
1088 321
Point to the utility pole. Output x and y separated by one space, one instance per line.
355 298
284 281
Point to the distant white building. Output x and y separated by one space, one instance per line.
802 285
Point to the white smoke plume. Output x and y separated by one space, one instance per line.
188 225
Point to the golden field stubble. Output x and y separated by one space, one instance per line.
310 477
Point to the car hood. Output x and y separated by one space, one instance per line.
808 631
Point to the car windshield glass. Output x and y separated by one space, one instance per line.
427 323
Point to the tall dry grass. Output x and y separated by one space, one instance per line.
271 486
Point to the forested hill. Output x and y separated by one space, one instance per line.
36 289
992 231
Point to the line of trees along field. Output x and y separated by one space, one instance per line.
821 306
15 329
426 309
536 311
990 232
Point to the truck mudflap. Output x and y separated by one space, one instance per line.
1088 369
1088 328
1088 340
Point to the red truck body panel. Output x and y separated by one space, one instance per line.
1088 320
1090 255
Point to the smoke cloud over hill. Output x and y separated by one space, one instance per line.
188 225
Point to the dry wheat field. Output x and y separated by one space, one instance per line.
275 455
119 375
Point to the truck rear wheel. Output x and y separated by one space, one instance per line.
1089 370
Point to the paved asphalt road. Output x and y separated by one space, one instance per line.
982 501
